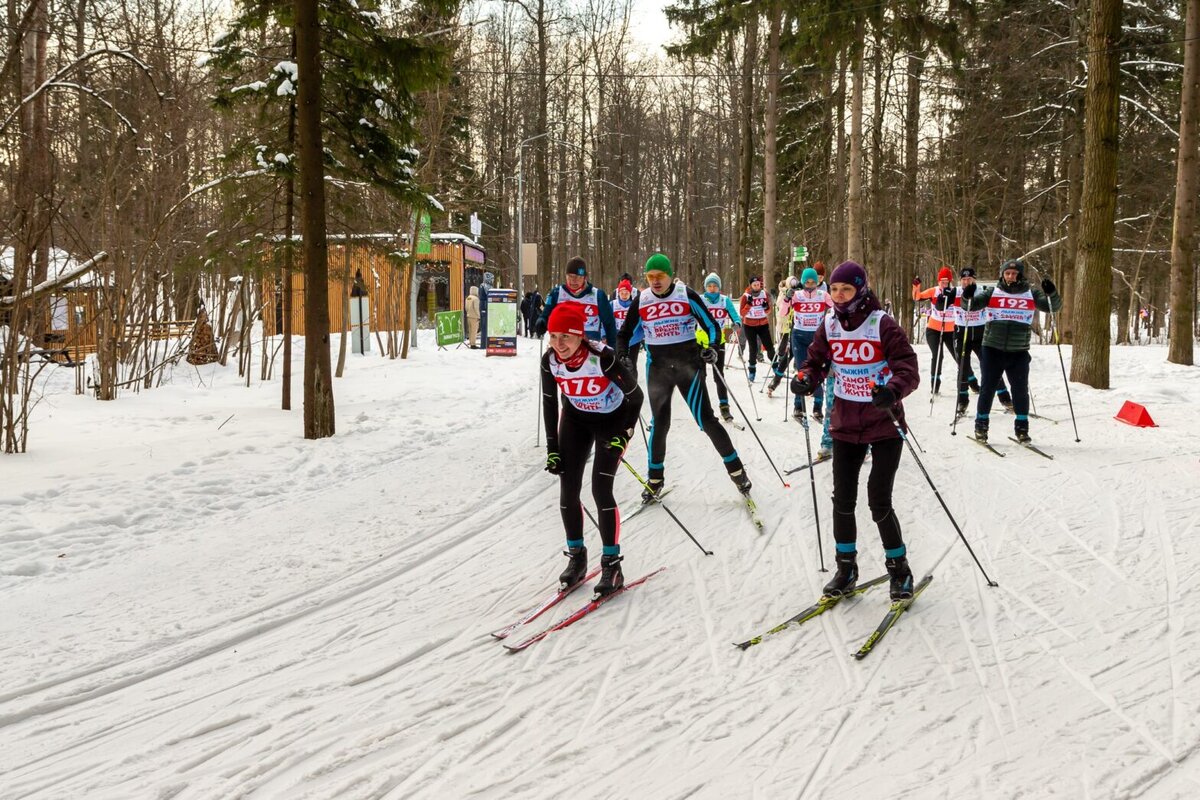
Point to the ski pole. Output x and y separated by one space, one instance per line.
812 479
646 486
589 516
1061 363
938 494
721 378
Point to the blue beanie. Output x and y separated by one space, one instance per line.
809 274
712 277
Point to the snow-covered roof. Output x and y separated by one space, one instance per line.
61 263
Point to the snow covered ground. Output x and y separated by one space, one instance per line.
197 603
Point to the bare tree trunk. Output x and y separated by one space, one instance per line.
749 58
319 419
546 270
1093 267
770 125
912 129
1073 133
1183 292
854 247
347 282
289 253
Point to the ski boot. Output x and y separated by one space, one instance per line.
753 375
902 578
981 430
817 414
973 384
846 577
773 384
1006 401
824 454
725 412
611 577
1021 428
798 414
741 480
960 410
652 490
576 567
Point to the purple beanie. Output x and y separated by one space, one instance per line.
851 273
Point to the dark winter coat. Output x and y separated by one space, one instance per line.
1007 335
863 422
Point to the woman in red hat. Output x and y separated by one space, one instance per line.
601 401
939 330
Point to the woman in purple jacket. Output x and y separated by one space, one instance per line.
873 366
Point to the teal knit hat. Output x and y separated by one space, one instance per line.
809 274
659 263
712 277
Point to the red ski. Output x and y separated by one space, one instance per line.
580 614
547 604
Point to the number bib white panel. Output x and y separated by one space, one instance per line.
591 308
1005 307
857 358
587 388
808 311
718 310
967 319
620 310
667 320
756 306
939 314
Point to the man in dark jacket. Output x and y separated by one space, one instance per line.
1010 307
576 288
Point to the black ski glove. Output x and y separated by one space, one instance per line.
539 327
882 396
708 355
917 281
802 386
554 463
968 291
1047 286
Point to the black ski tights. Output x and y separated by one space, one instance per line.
848 459
575 440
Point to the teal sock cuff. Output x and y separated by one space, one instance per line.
574 542
612 550
896 552
847 547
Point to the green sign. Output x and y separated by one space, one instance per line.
424 245
800 253
449 327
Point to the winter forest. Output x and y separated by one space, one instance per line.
271 521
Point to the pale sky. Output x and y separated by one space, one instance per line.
649 26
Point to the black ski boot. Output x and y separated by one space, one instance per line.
726 414
1021 428
741 480
846 577
960 410
797 414
817 414
773 384
973 384
652 490
981 430
576 567
1006 401
902 578
611 577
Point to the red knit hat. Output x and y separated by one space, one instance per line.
567 318
946 274
626 285
820 268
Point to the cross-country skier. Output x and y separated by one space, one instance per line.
620 307
721 309
668 313
809 305
576 288
1010 308
874 367
601 401
968 339
756 322
939 329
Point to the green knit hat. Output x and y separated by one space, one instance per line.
659 263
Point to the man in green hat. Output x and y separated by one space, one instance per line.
678 333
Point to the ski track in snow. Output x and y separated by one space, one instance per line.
196 613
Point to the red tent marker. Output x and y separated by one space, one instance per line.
1136 415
